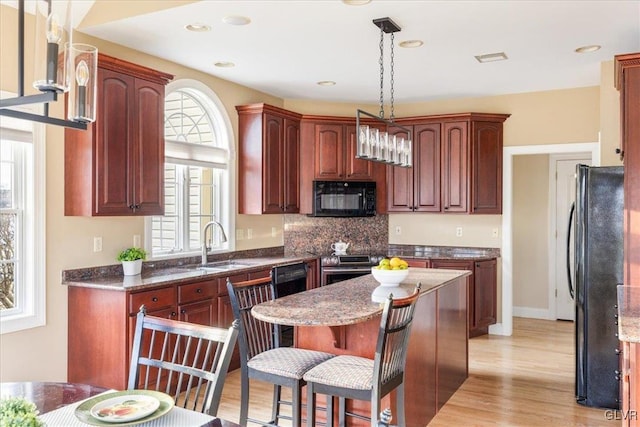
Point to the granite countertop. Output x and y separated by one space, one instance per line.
175 275
629 313
346 302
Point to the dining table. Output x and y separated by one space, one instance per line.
56 400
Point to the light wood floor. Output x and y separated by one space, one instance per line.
523 380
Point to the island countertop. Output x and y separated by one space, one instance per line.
347 302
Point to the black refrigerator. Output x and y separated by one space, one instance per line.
598 266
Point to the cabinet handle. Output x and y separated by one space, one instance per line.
618 151
154 299
173 314
446 208
183 311
198 291
618 352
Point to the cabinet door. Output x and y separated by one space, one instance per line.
147 149
356 169
273 155
486 168
454 167
291 166
329 152
114 136
485 293
462 265
399 183
426 167
202 312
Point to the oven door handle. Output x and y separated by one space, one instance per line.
343 270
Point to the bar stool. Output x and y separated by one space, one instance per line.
261 356
360 378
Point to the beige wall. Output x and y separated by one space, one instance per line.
530 231
40 353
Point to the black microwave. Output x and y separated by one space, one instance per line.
344 198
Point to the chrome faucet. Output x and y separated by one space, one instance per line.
205 248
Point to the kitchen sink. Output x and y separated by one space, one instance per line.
224 265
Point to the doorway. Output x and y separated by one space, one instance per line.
562 192
505 326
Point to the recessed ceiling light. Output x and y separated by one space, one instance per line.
411 43
197 27
356 2
224 64
326 83
236 20
492 57
589 48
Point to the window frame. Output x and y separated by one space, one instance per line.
31 284
215 108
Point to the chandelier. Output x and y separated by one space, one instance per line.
373 140
61 67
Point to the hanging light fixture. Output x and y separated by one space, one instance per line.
373 143
60 67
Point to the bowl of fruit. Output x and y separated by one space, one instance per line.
390 272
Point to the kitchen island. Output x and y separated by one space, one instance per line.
342 319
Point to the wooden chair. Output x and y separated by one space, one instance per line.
261 356
360 378
185 360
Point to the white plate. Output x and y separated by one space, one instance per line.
126 408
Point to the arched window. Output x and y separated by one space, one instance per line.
198 172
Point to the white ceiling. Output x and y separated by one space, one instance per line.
291 45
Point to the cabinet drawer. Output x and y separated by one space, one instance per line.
197 291
152 300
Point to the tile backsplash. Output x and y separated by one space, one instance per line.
314 235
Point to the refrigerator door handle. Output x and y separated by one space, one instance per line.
569 280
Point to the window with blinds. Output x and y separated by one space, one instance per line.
196 173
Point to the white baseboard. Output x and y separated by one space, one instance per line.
531 313
498 329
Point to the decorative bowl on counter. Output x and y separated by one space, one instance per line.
389 277
389 284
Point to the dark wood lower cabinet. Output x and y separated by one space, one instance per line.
482 293
102 323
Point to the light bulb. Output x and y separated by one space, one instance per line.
54 30
82 73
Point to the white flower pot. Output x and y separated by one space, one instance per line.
131 268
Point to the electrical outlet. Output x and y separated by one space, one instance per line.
495 232
458 231
97 244
136 240
249 233
274 232
239 234
398 229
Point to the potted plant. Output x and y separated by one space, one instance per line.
131 259
19 412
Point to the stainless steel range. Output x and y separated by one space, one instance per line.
336 268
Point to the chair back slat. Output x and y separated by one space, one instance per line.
187 361
393 338
256 336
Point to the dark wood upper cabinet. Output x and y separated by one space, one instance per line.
457 165
116 166
328 153
269 156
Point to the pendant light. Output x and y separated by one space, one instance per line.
60 67
373 140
